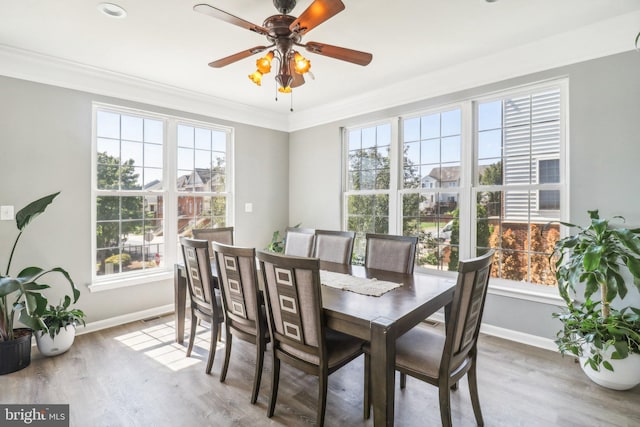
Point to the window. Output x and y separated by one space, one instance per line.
201 179
368 183
484 173
518 183
431 162
138 217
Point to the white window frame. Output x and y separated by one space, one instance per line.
512 288
468 187
169 194
462 189
393 173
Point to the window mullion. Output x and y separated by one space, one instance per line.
170 191
468 172
396 168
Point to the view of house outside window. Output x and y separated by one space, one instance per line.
129 171
134 207
519 185
431 162
201 181
504 191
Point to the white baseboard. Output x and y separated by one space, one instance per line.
125 318
511 335
508 334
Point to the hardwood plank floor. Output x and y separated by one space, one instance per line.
135 375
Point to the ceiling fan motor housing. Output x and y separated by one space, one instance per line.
284 6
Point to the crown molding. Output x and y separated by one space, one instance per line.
601 39
37 67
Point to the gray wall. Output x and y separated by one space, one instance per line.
604 144
45 146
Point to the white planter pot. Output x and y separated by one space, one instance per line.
59 344
625 375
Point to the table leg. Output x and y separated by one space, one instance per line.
179 301
383 356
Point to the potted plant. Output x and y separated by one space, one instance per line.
606 339
21 296
60 332
278 241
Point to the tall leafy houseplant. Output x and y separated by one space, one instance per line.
21 295
598 256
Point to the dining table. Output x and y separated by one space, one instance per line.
376 319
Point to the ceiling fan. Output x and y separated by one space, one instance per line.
284 33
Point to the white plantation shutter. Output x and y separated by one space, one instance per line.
531 132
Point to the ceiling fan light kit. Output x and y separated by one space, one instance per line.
284 33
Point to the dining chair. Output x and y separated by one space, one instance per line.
299 241
205 302
390 253
242 304
299 336
442 360
334 246
221 234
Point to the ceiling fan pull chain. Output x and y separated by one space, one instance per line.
291 106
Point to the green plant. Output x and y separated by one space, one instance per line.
59 317
21 295
277 241
597 256
584 325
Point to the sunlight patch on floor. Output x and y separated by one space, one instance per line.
158 343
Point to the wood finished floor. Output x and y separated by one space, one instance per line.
135 375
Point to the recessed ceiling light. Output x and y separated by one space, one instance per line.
112 10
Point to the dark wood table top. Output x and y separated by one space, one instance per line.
403 306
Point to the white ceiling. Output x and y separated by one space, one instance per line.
159 52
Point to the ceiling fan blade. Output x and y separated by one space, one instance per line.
318 12
236 57
344 54
227 17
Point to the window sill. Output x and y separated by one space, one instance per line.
512 289
125 282
526 291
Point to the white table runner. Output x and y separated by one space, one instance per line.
359 285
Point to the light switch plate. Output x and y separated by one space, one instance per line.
6 213
248 207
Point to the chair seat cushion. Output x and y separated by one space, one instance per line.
341 347
420 350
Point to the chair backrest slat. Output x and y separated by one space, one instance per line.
294 305
222 235
334 246
463 327
299 241
390 253
239 283
198 270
